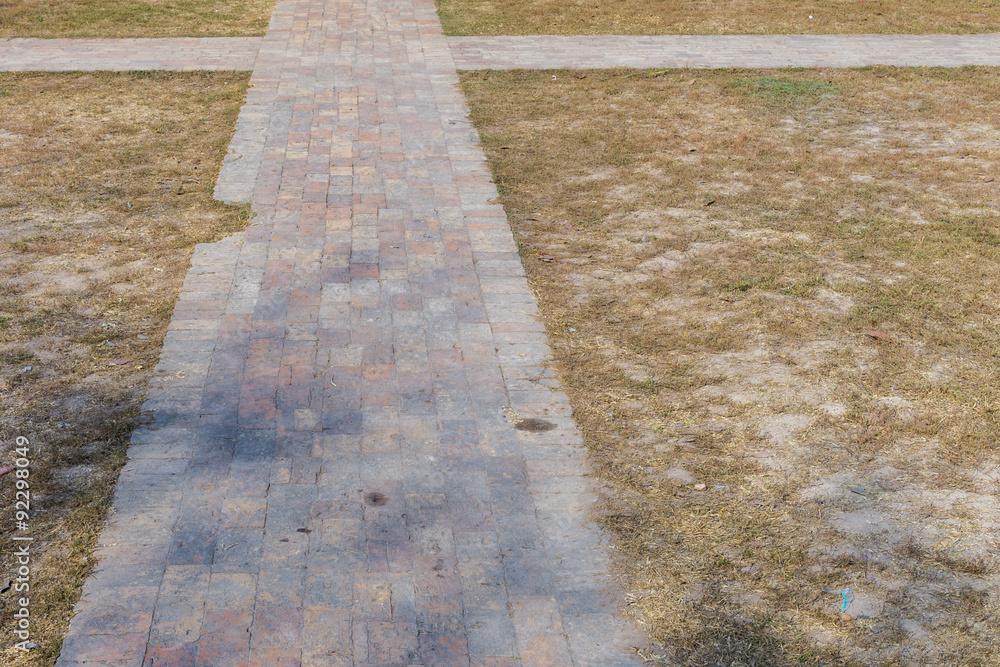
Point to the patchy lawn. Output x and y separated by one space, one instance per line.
105 187
697 17
128 18
773 299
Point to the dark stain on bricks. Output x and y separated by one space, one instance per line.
376 499
303 530
533 425
254 444
342 421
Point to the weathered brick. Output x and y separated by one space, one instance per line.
329 478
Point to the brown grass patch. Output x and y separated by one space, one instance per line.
105 187
772 297
662 17
126 18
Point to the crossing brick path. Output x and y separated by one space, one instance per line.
211 53
535 52
359 455
583 52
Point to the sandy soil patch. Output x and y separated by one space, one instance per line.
772 295
105 187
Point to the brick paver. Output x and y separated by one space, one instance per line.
186 53
534 52
706 51
334 473
602 51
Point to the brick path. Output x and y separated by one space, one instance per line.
188 53
535 52
586 52
333 476
341 467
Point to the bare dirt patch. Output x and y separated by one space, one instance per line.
772 296
734 17
128 18
105 187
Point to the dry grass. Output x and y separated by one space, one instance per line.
773 298
105 187
127 18
673 17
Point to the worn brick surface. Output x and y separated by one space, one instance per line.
506 52
708 51
168 53
332 475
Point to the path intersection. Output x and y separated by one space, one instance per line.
359 453
533 52
343 467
